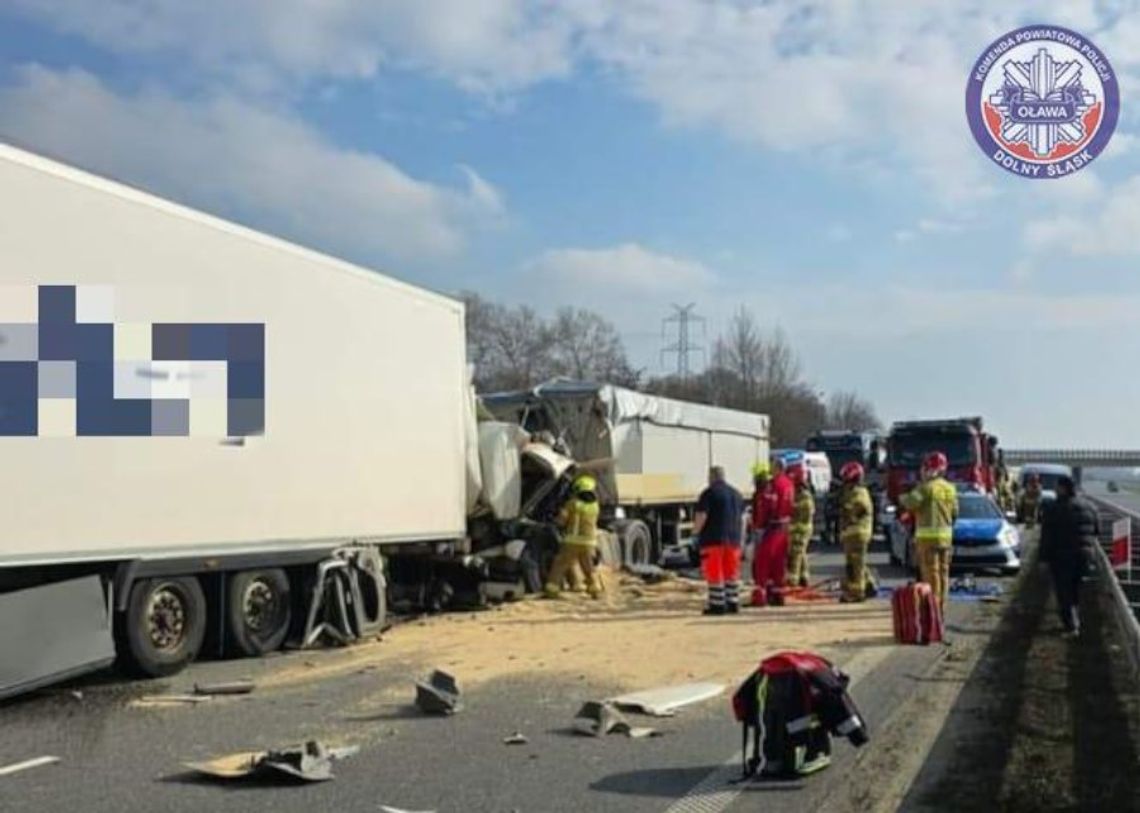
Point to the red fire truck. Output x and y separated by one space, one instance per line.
971 453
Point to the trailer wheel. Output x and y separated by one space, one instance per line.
258 611
636 543
163 626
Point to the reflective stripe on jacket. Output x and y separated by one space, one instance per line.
935 507
579 522
856 514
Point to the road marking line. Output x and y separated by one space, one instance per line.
16 767
715 794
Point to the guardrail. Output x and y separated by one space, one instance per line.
1127 611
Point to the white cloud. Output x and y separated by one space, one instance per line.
905 236
485 45
628 267
864 84
1110 229
932 225
224 154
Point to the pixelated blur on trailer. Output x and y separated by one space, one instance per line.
75 372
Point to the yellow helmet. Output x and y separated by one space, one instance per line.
761 468
584 482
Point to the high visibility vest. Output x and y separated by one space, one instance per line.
579 521
803 511
935 507
856 514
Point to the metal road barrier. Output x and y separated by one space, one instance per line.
1126 592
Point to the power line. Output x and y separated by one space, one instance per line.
683 317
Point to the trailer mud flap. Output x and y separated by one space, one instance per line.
53 632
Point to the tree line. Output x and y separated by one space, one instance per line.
749 368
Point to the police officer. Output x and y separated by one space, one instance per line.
801 527
934 505
578 520
856 525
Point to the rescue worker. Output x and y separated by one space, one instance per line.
770 565
801 528
856 525
1029 507
934 505
1070 528
578 520
758 510
1004 488
717 524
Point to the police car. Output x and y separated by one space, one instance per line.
984 538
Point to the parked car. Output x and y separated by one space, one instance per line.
984 538
1048 474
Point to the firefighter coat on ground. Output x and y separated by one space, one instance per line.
934 505
799 534
578 520
856 525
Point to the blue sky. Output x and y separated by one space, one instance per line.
808 161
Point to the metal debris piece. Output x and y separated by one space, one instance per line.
599 719
309 762
650 574
232 687
16 767
169 699
388 809
664 701
518 738
439 694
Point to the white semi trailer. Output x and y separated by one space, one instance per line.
192 415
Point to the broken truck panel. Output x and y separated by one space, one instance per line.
664 701
53 632
439 694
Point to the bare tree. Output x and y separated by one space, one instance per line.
849 410
515 348
586 347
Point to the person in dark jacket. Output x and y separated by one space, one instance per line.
1070 527
718 523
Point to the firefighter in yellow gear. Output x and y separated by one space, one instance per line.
800 529
856 525
578 521
934 505
1029 506
1004 488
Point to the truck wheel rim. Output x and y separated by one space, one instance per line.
259 606
166 618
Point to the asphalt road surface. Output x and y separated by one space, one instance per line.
115 756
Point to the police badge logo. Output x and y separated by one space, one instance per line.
1042 101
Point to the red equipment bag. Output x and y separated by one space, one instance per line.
916 614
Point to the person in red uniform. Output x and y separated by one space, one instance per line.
769 567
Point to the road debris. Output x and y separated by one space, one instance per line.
27 764
650 574
599 719
309 762
232 687
518 738
664 701
388 809
439 694
150 700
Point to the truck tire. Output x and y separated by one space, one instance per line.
163 626
259 610
636 543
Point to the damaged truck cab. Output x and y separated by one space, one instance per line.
651 455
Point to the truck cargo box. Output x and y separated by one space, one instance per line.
655 450
171 383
